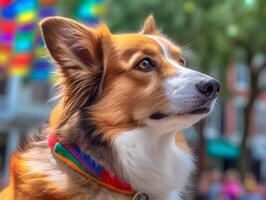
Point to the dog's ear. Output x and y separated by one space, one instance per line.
149 26
77 50
72 45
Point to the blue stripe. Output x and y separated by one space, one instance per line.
86 159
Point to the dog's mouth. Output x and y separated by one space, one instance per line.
193 111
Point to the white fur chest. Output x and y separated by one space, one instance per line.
151 162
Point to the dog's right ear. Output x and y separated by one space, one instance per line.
77 49
72 45
149 26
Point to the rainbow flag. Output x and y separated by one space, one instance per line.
22 51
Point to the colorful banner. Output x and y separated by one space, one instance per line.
22 51
7 35
89 11
25 19
41 66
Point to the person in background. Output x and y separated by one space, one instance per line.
215 185
232 187
263 188
203 186
253 189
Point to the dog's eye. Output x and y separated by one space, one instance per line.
145 65
182 61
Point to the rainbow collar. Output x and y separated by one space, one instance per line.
86 166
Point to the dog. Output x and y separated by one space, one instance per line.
117 130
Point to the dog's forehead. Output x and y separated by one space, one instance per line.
167 46
132 40
153 43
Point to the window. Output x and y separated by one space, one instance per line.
242 77
239 120
40 92
240 104
262 80
3 86
213 126
260 112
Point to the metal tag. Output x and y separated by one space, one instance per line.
141 196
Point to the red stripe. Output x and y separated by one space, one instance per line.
115 181
22 59
52 140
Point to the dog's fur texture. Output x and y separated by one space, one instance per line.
105 108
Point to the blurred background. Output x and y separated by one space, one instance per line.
226 39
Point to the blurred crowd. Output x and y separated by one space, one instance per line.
217 185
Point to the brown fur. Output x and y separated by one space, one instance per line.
102 96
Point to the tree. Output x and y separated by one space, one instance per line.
250 23
216 29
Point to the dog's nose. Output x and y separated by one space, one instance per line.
208 88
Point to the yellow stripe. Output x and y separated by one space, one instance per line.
26 17
19 71
99 10
40 52
74 166
3 57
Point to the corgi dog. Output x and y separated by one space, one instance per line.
117 130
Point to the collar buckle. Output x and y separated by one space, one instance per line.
141 196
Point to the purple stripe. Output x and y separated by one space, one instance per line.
7 37
41 64
2 69
46 12
27 27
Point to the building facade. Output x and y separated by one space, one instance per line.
24 106
226 123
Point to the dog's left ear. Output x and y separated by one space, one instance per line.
149 26
78 52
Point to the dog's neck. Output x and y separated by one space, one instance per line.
152 162
86 166
149 160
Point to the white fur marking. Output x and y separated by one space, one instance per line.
152 163
166 52
180 88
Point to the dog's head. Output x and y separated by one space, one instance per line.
127 80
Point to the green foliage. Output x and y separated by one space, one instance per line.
199 23
68 8
212 29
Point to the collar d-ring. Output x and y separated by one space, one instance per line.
141 196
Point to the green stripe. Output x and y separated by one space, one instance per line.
60 149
